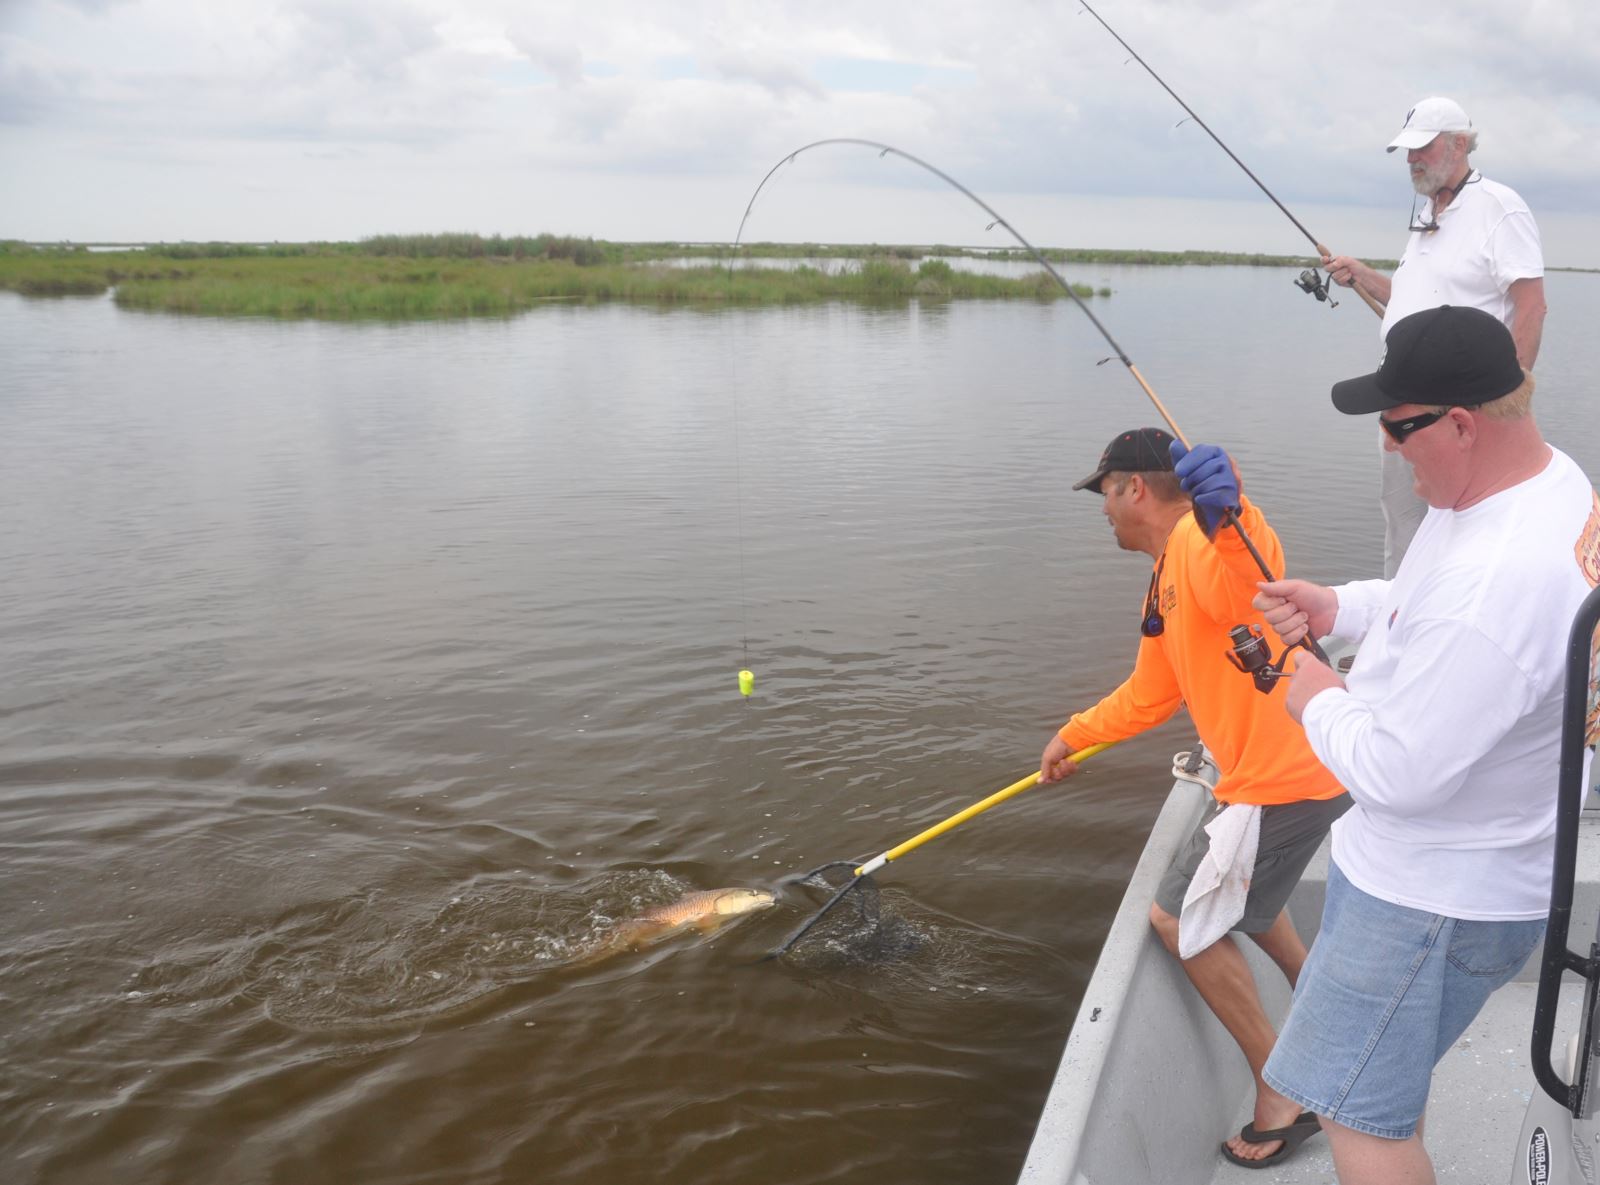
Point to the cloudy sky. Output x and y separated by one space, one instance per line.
125 120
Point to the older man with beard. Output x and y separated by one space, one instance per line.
1474 244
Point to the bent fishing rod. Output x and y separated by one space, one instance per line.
1309 281
1230 518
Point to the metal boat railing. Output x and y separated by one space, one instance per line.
1558 957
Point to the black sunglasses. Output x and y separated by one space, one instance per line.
1399 430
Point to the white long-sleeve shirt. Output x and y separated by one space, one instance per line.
1447 733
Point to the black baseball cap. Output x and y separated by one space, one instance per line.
1449 356
1139 451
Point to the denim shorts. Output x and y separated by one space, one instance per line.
1383 996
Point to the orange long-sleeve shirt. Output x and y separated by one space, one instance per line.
1205 590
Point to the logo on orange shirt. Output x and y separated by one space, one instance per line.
1591 720
1587 549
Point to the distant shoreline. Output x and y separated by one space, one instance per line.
360 284
419 277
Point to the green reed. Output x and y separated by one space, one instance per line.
437 276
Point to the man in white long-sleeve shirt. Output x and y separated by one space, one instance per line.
1475 243
1446 735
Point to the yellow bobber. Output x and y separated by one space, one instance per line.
747 682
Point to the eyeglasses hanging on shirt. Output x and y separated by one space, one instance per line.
1153 624
1432 204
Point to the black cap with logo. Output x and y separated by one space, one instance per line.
1139 451
1451 356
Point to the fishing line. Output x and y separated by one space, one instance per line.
883 150
746 677
1312 284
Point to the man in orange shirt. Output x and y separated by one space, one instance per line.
1201 587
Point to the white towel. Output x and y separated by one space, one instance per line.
1216 896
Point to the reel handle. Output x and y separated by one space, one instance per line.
1372 301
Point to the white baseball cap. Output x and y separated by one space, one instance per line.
1427 119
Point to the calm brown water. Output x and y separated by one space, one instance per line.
357 677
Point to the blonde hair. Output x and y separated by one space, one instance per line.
1514 405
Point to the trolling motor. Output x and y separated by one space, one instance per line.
1252 654
1311 282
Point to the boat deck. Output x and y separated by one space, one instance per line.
1480 1091
1149 1082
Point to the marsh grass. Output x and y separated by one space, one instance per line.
439 276
51 273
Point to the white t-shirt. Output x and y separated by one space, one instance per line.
1486 240
1447 734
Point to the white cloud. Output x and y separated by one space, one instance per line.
447 98
35 80
777 73
561 60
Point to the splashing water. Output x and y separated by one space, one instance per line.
379 961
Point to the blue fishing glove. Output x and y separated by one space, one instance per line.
1206 474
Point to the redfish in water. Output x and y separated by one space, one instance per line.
706 911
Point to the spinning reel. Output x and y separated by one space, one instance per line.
1312 283
1252 654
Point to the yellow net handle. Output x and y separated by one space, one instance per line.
976 808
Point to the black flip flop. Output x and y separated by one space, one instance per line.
1297 1133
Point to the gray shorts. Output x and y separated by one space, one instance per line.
1290 833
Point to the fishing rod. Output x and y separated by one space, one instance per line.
886 150
1309 280
1230 518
